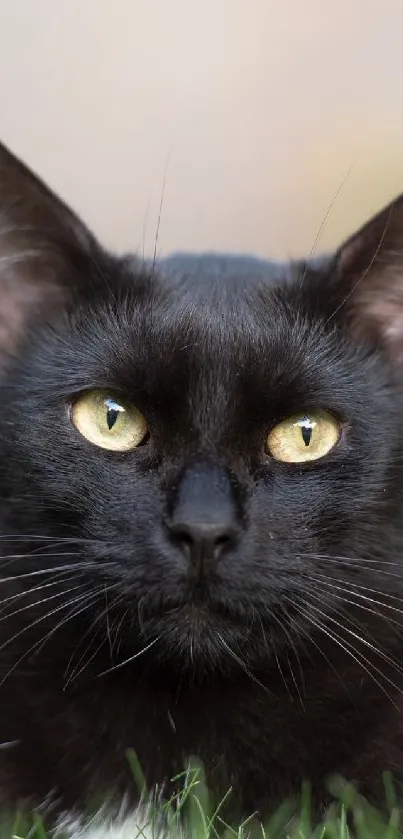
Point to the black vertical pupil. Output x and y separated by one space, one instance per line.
111 417
306 431
112 413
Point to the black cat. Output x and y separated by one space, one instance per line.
201 527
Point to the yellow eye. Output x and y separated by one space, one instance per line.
303 437
106 422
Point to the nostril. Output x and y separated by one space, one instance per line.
222 541
202 541
183 540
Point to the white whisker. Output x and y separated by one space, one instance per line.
132 658
352 592
243 665
41 643
40 602
355 654
382 654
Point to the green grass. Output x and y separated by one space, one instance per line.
191 813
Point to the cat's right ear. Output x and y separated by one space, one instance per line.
44 249
366 284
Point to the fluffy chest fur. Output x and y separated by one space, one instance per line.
131 826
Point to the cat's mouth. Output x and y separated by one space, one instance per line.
198 633
203 610
196 618
206 626
193 635
200 615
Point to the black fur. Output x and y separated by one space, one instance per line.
277 661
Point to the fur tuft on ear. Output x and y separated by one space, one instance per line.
369 274
44 247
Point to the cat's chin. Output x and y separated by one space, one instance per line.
194 636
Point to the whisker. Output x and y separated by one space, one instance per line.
132 658
280 670
326 217
295 681
90 629
92 626
108 629
321 579
6 558
157 232
117 630
41 643
283 628
40 602
243 665
296 653
347 648
391 622
382 654
302 630
357 561
341 612
364 273
78 566
357 585
91 598
40 620
271 649
355 654
76 671
28 537
31 590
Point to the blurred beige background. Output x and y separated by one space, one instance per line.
262 108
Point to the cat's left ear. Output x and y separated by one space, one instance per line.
45 250
368 277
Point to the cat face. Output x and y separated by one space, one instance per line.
217 454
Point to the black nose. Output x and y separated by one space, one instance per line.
204 518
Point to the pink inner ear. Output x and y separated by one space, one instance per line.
14 303
389 317
19 301
370 266
42 247
378 304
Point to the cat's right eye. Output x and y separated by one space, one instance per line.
105 421
303 437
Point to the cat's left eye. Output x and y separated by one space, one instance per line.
105 421
303 437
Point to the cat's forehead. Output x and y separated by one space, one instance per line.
205 331
233 298
206 311
226 269
231 283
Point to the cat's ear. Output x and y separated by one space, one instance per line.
368 273
44 247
